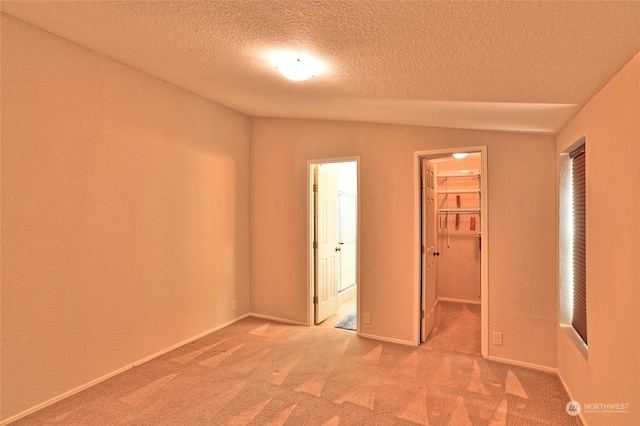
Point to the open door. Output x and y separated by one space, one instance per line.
429 253
327 247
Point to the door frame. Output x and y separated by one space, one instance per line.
310 271
484 253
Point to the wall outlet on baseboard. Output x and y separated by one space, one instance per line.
367 318
497 338
233 305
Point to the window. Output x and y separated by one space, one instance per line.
578 243
571 245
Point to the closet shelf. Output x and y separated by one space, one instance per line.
469 173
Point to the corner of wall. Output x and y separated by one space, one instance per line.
610 121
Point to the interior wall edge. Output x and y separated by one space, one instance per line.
387 339
523 364
277 319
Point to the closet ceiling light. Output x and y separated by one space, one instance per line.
297 67
460 155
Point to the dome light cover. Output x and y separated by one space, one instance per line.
297 67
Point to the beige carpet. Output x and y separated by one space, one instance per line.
457 328
262 373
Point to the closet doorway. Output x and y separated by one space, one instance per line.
451 229
334 243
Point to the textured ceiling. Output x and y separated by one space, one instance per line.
523 66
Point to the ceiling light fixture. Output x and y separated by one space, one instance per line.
296 67
460 155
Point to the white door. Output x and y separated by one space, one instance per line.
429 216
328 247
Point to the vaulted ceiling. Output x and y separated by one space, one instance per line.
518 66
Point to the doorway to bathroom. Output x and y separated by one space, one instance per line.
334 243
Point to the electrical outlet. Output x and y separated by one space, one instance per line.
233 305
367 318
497 338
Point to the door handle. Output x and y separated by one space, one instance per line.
436 253
338 248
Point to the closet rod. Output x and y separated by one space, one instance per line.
458 191
459 211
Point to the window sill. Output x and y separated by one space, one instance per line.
576 339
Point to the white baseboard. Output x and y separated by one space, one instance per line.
523 364
449 299
387 339
114 373
276 319
566 388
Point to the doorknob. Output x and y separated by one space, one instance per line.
436 253
338 249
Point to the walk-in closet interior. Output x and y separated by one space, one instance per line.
458 183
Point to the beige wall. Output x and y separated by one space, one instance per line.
522 264
458 270
125 224
611 123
